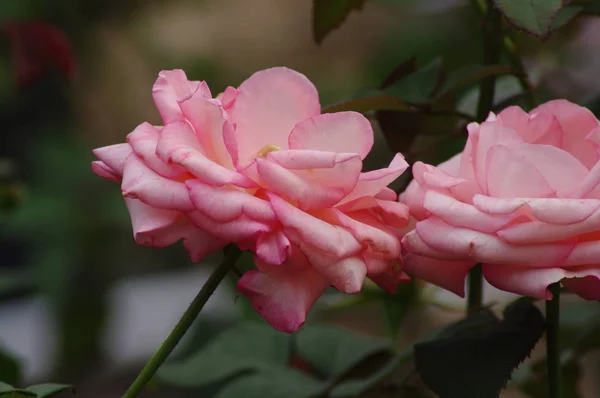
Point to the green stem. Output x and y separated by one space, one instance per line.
187 319
492 38
510 49
475 294
553 343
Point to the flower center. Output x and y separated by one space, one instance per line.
264 151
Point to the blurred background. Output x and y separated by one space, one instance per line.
80 302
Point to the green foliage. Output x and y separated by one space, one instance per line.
10 369
37 391
330 14
475 358
533 16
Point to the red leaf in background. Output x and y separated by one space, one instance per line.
36 46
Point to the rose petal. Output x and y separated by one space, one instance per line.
461 214
171 87
372 182
178 144
510 175
240 230
311 178
341 132
114 157
273 248
345 274
313 231
283 298
140 182
225 204
480 247
576 122
449 275
538 128
143 141
270 103
587 285
102 170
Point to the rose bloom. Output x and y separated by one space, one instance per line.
261 167
523 199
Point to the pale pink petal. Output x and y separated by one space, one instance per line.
342 132
389 281
345 274
273 248
414 197
589 186
412 242
313 231
547 210
143 141
208 120
430 176
372 182
538 231
559 168
283 298
387 194
523 280
373 235
584 253
172 86
102 170
114 157
576 122
199 243
178 144
238 230
153 227
537 128
583 281
481 247
313 179
228 97
461 214
225 204
449 275
140 182
510 175
394 214
490 135
270 103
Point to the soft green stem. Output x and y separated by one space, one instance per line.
510 49
553 343
491 55
187 319
475 294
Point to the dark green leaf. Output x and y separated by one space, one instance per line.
418 87
47 390
4 387
276 383
249 346
373 102
332 351
330 14
354 388
478 361
565 16
10 370
402 70
533 16
470 74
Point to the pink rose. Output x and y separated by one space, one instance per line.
259 166
523 199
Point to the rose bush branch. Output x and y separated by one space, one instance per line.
187 319
491 55
553 342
